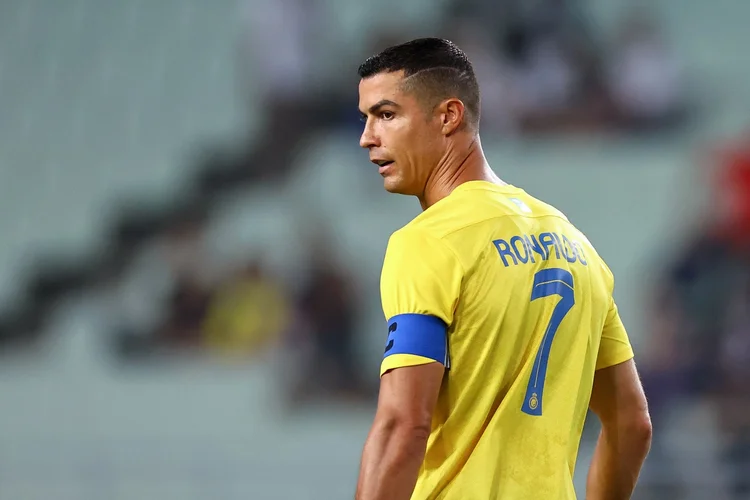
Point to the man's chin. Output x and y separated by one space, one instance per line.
396 184
393 186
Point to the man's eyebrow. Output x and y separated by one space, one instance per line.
385 102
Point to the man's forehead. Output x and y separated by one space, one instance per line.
381 86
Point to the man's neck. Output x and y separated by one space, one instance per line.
456 168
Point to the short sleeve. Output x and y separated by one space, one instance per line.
615 346
419 287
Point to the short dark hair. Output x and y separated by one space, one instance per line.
436 68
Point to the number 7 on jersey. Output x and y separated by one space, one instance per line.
547 283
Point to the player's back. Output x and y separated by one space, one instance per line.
523 343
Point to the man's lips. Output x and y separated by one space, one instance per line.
382 164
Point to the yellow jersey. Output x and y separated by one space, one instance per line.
514 300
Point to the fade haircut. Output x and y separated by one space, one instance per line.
434 69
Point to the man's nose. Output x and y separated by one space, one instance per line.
368 139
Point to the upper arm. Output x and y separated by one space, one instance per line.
617 397
408 396
419 287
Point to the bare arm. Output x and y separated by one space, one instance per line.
619 402
395 447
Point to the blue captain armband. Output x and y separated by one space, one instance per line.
418 335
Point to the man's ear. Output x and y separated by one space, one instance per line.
452 112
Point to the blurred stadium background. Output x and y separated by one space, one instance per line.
191 237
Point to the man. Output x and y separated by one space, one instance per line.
502 329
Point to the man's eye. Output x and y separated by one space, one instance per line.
387 115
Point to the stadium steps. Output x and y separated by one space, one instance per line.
99 100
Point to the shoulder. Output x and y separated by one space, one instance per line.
418 242
541 207
420 275
450 215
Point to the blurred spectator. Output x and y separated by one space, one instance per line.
702 341
534 62
275 48
644 77
326 333
187 308
733 181
177 272
501 96
545 72
195 276
247 314
733 396
278 59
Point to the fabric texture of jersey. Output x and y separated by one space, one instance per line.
514 300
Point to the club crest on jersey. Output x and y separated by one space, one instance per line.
533 401
523 206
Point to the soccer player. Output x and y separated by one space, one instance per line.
502 328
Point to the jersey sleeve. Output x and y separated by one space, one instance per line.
419 287
615 346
